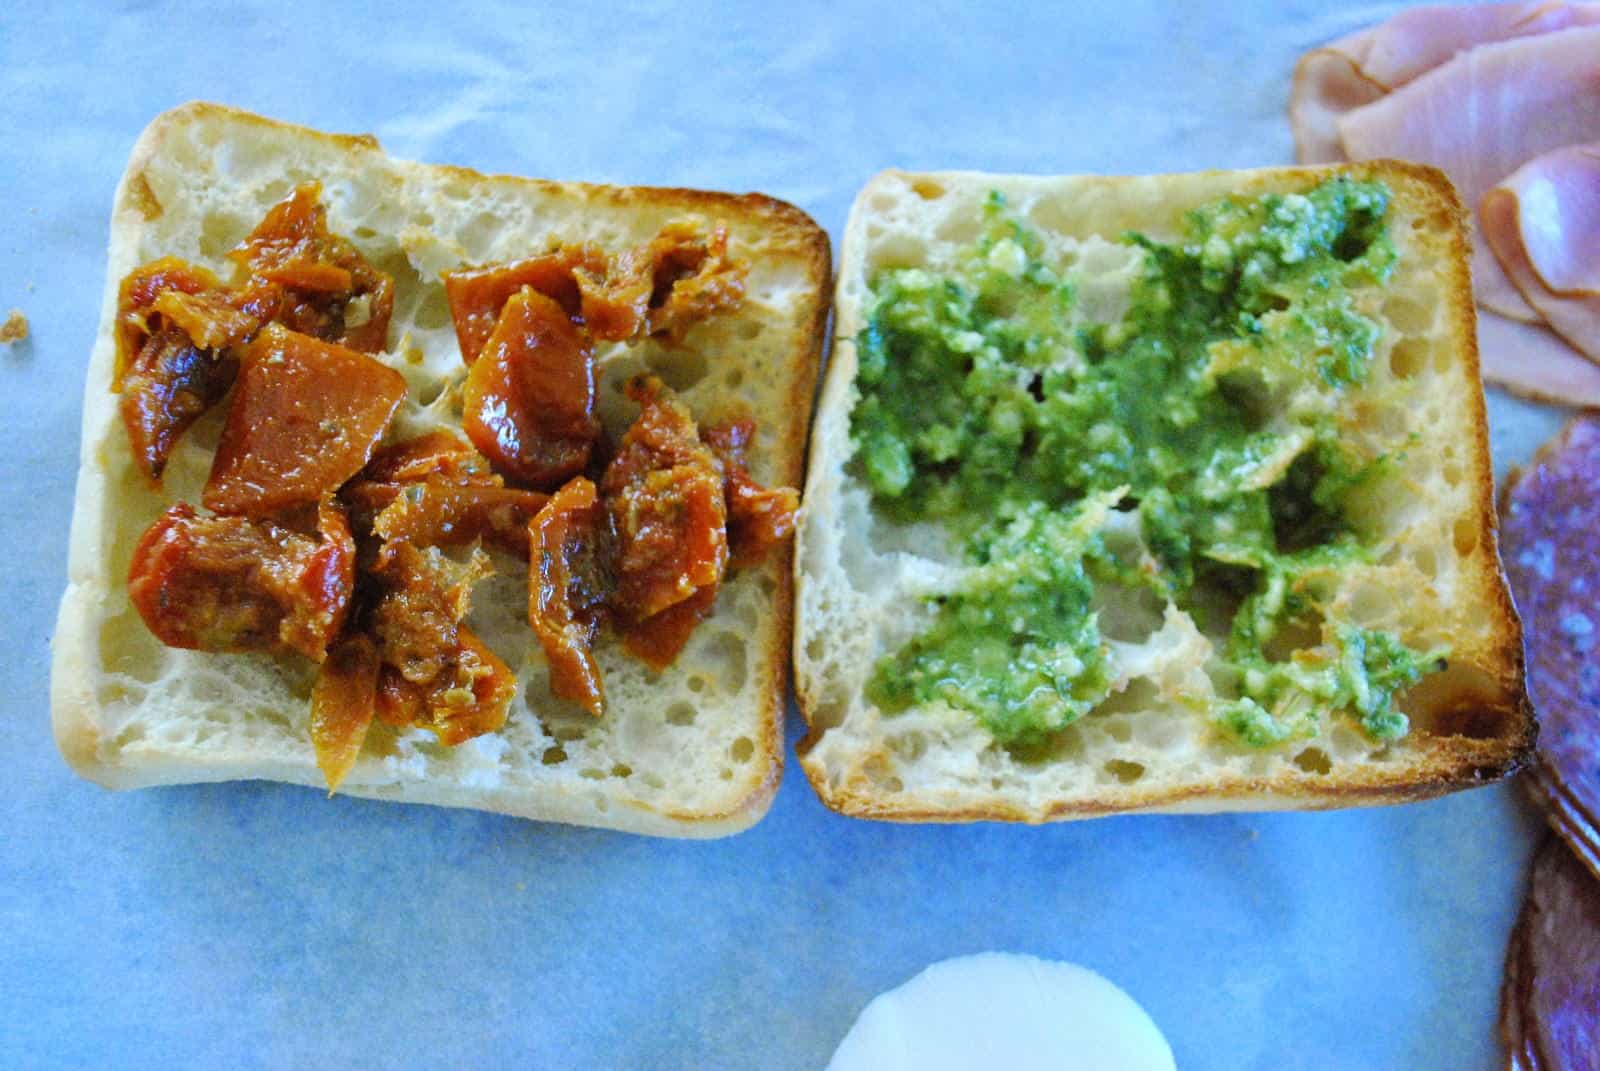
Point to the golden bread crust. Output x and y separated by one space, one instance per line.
1472 723
127 713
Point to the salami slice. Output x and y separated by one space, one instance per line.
1550 538
1550 1003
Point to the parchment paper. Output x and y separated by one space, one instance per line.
254 925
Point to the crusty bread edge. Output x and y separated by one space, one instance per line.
1456 762
74 709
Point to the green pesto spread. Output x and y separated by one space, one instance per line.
991 403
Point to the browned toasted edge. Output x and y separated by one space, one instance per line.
1508 660
74 707
1451 763
805 365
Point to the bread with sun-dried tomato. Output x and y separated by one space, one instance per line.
695 750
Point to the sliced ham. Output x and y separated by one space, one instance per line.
1359 68
1328 84
1533 361
1480 116
1543 223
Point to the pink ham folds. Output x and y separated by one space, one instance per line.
1531 360
1502 98
1544 225
1355 70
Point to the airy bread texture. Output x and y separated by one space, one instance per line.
693 751
1434 579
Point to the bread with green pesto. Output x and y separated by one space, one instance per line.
1163 493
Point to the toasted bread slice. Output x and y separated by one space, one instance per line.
1432 576
695 750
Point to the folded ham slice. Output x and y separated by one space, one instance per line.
1359 68
1483 114
1543 224
1533 361
1505 99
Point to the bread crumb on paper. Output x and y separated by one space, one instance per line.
15 329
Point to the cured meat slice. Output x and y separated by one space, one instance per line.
1550 1001
1549 543
1543 223
1480 116
1533 361
1359 68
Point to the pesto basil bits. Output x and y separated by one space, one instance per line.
1160 430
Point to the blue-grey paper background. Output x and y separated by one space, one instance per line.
254 925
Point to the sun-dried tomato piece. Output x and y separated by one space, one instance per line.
657 641
664 493
759 518
216 319
436 490
305 418
468 695
423 596
691 278
528 404
169 384
473 695
136 298
470 698
664 287
568 585
343 701
438 456
174 326
442 515
477 296
400 702
332 292
232 584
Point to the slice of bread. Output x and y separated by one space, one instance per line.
1432 577
693 751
